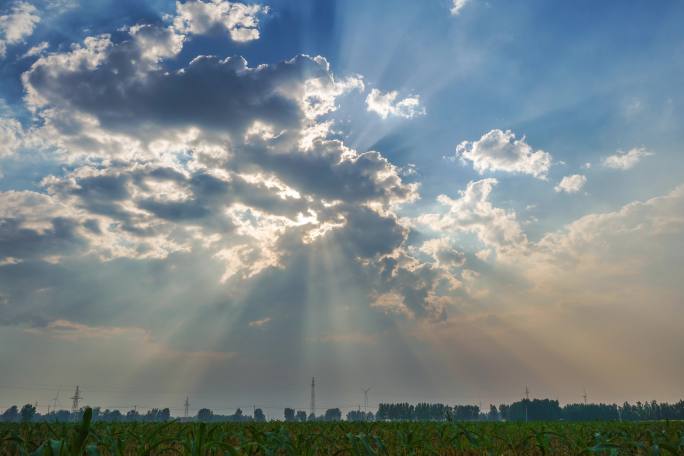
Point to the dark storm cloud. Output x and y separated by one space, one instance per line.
126 94
137 185
332 172
368 234
20 242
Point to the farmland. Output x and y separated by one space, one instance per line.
342 438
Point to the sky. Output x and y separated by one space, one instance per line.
443 201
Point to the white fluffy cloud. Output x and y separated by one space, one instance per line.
457 6
17 24
626 160
474 212
499 150
386 105
571 184
241 21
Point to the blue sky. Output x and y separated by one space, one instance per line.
446 200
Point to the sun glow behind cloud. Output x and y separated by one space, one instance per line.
372 215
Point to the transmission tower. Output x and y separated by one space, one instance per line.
313 396
76 398
187 405
527 399
54 404
365 399
584 396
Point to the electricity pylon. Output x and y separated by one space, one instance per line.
76 398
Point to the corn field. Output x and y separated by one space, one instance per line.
341 438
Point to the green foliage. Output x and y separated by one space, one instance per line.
341 438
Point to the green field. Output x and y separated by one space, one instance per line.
342 438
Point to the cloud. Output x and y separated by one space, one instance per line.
11 136
571 184
260 323
38 49
443 252
386 105
17 24
610 253
626 160
209 160
501 151
241 21
473 212
457 6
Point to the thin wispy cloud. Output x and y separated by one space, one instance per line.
626 160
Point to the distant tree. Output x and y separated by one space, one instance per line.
289 414
301 416
311 417
466 412
112 416
62 416
204 414
27 413
358 415
132 415
333 414
259 416
151 415
11 414
493 414
533 410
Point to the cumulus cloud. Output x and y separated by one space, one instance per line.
626 160
386 105
500 150
225 159
473 212
457 6
241 21
16 24
571 184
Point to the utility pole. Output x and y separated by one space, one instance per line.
313 396
76 398
187 405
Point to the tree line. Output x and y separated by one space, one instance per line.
524 410
532 410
